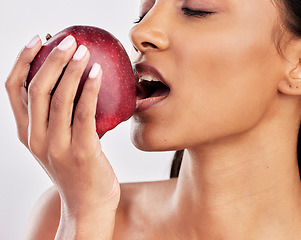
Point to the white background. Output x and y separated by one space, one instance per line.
22 180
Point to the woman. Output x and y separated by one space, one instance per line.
234 77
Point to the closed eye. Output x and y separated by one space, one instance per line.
186 11
195 13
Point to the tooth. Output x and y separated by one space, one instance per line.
147 78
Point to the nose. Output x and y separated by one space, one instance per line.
149 35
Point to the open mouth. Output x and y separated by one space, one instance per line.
150 87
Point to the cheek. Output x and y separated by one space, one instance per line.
228 88
215 94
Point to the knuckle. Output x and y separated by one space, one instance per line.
11 83
34 90
18 72
79 156
54 152
8 85
83 113
58 154
57 102
73 70
55 57
58 150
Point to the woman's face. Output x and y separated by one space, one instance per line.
222 69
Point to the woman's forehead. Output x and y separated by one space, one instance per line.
149 3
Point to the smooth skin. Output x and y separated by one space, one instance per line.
70 154
234 106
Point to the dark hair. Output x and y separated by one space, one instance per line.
291 15
290 12
176 164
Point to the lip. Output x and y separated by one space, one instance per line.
147 69
144 68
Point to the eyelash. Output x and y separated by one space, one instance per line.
188 12
139 19
195 13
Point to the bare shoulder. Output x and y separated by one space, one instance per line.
45 217
137 207
140 205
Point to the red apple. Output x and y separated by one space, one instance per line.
117 95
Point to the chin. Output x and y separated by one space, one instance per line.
151 139
145 142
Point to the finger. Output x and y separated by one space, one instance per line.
15 86
61 107
41 87
84 126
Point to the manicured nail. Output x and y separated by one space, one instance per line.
95 71
33 41
80 53
66 43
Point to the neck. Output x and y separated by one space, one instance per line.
246 187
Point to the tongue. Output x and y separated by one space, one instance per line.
147 89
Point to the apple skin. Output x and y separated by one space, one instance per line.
117 95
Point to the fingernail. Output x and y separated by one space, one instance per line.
80 53
66 43
95 71
33 41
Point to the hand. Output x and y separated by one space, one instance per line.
65 144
